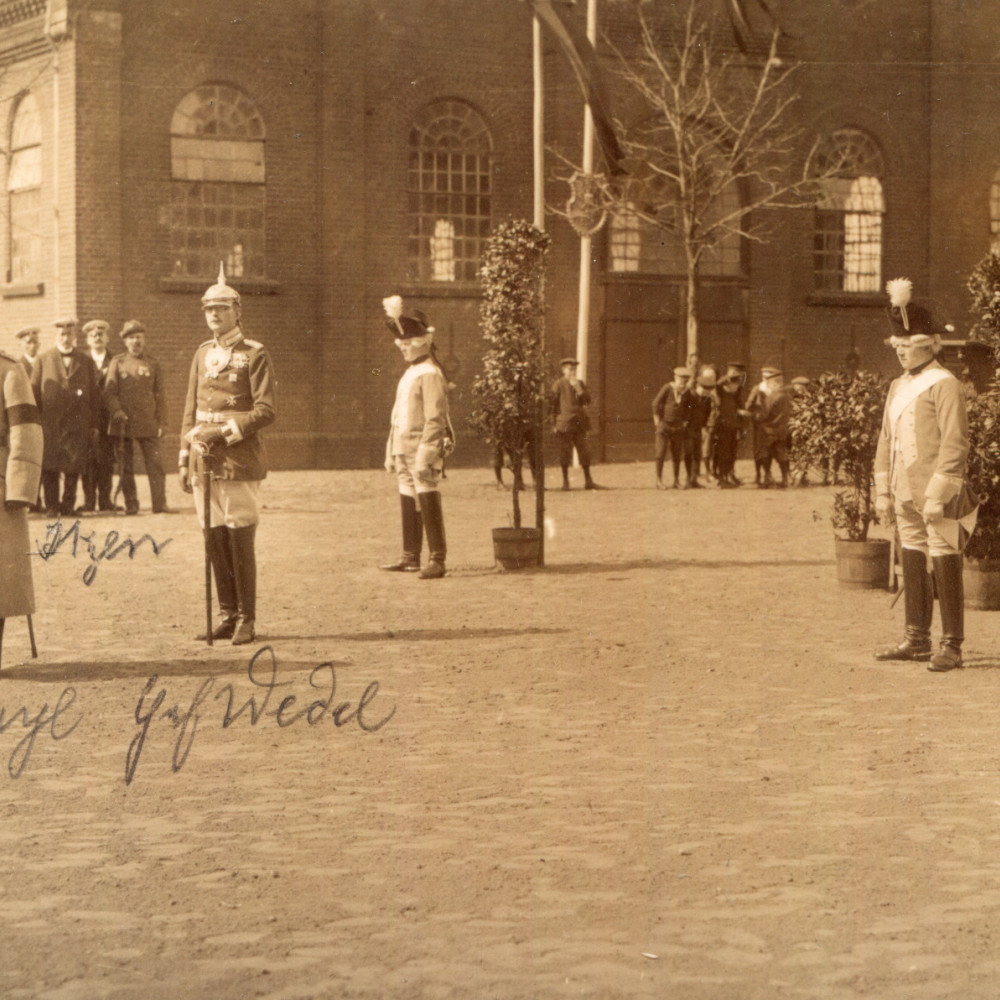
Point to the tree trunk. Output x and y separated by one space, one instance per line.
692 312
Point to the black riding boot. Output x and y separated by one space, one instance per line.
951 601
918 597
221 558
413 535
430 508
241 541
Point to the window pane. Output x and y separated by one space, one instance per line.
450 141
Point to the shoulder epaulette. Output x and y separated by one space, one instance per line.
256 344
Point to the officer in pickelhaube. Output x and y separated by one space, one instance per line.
230 400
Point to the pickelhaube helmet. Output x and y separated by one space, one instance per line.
220 293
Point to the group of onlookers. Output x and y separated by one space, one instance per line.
700 416
93 405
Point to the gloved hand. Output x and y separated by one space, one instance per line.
184 476
933 510
207 435
883 505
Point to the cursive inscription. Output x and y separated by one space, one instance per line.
21 754
56 537
263 674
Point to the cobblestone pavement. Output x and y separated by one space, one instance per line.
664 766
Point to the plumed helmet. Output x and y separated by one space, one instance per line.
220 293
405 324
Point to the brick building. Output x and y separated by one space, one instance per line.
309 144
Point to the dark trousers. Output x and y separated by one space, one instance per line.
672 440
568 440
66 503
97 475
154 470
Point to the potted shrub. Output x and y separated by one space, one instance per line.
981 575
507 392
837 419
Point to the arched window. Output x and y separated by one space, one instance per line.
450 156
24 192
847 241
217 199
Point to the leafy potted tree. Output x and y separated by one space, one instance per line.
837 419
507 392
981 575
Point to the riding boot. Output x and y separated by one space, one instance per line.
565 474
918 595
2 621
221 557
951 601
430 508
413 535
241 541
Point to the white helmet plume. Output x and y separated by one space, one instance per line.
393 306
900 290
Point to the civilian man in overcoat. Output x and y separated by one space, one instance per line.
920 467
100 463
65 386
21 463
770 408
230 400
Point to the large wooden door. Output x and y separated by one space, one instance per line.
644 337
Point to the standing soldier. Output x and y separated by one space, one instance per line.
568 401
230 399
100 462
65 384
920 480
420 438
21 464
136 399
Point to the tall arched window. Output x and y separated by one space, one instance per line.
217 199
24 192
847 241
450 156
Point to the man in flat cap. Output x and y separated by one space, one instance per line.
136 400
673 408
230 400
29 339
728 424
568 400
770 408
100 463
920 467
20 471
65 385
420 438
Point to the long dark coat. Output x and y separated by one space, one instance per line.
70 405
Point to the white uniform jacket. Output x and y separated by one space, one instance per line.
420 427
924 442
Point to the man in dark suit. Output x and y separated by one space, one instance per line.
100 462
65 385
568 401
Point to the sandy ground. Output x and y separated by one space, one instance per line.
665 766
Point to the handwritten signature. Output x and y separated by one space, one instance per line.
263 674
21 754
56 537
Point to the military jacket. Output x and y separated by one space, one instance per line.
232 387
924 441
134 386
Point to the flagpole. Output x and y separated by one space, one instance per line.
538 117
583 312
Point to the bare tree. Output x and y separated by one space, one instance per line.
714 143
